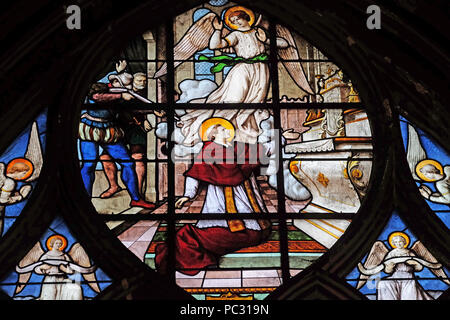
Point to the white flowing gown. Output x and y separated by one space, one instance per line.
244 83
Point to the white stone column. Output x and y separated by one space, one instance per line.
150 185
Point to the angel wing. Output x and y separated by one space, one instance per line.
194 40
290 53
80 257
376 255
31 257
419 249
414 152
34 152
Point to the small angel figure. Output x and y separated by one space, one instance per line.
247 81
427 170
55 265
400 263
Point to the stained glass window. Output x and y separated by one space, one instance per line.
56 268
428 163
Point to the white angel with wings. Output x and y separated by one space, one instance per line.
248 79
427 170
400 263
55 265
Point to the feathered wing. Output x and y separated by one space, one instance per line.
421 251
80 257
293 66
376 256
414 151
194 40
31 257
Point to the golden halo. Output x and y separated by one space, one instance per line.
293 166
423 163
213 121
56 236
23 161
229 11
398 234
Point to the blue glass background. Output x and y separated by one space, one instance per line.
218 3
99 164
17 150
434 151
58 226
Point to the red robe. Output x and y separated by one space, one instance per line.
226 166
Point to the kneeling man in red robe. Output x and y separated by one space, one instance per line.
228 169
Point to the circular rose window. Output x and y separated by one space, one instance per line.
227 151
